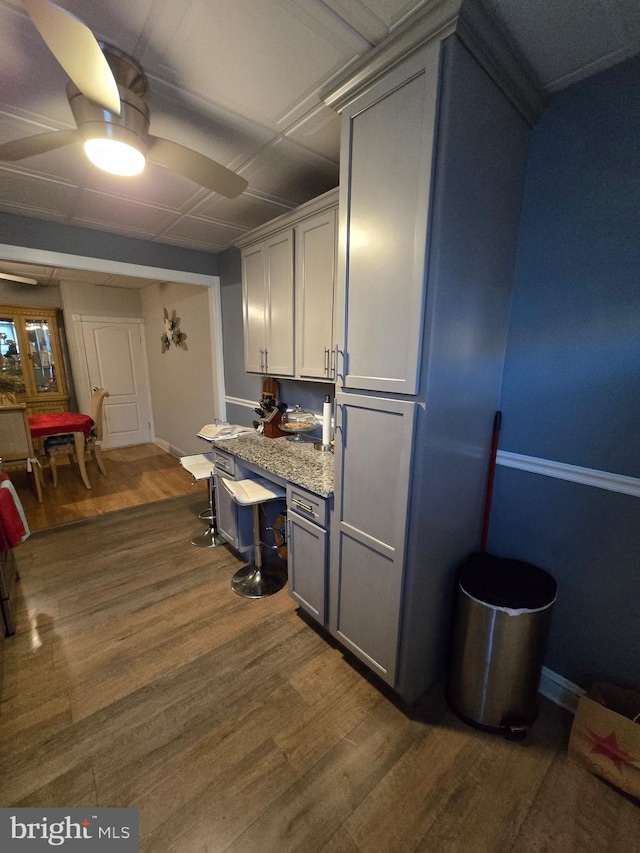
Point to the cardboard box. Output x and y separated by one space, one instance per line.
607 744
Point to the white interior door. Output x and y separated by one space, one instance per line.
115 359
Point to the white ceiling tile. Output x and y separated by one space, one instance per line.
319 131
253 58
101 210
249 209
35 196
155 186
203 234
284 170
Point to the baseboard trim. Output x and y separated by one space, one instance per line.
560 690
574 473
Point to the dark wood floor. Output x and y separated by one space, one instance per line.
137 678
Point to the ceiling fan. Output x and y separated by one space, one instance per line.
106 93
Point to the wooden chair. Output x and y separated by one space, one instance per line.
63 445
16 445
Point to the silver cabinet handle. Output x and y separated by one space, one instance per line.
337 352
327 368
266 361
261 361
303 506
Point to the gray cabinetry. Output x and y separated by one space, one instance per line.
315 282
369 529
308 541
387 144
433 157
268 299
288 277
235 522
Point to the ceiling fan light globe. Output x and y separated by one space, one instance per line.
115 157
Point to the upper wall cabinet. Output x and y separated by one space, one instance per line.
288 278
387 184
315 282
268 305
31 365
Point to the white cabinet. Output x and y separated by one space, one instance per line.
315 283
288 279
268 303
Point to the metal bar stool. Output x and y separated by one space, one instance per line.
201 467
256 580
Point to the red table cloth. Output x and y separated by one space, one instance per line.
59 422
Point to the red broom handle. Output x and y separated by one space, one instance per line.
497 420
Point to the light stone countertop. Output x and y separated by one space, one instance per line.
297 462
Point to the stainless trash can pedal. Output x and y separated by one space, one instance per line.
501 626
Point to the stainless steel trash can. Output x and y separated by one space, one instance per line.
503 614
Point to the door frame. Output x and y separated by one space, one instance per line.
27 254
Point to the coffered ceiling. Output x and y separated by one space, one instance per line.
239 81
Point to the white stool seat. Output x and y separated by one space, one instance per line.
254 580
200 465
248 492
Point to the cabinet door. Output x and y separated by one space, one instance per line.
315 280
387 144
374 439
280 305
234 522
253 298
307 565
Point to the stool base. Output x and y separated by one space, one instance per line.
254 582
207 539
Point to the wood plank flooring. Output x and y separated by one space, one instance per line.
137 678
135 476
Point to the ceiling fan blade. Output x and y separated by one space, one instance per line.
19 149
190 164
77 50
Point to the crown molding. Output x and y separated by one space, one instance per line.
436 19
487 39
291 217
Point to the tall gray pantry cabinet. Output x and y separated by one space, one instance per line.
432 165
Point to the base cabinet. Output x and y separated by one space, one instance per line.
373 466
234 522
308 551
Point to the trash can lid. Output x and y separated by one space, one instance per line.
503 582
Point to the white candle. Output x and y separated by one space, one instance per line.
326 421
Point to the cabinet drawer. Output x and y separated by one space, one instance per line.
308 505
224 463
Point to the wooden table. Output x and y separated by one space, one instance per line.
65 423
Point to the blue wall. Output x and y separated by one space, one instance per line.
91 243
571 387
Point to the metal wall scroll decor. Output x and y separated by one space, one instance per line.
172 333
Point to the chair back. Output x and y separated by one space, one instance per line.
15 436
95 410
